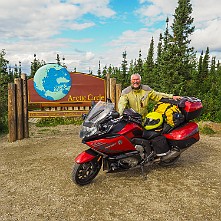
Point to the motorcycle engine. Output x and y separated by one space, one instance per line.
129 162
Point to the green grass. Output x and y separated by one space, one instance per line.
52 122
207 130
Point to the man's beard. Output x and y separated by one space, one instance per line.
136 88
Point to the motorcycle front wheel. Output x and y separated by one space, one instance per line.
84 173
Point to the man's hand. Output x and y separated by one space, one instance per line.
176 98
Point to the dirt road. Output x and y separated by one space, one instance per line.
36 183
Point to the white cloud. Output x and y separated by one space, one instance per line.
77 26
206 14
30 26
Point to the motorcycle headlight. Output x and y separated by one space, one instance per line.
87 131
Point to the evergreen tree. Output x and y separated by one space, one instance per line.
99 69
164 68
139 65
123 76
200 64
64 65
4 76
205 65
16 74
4 80
184 56
19 69
11 74
197 79
58 59
104 72
149 75
35 65
159 48
204 77
178 59
131 68
166 35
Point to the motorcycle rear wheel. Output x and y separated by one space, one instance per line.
84 173
169 162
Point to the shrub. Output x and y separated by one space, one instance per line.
48 122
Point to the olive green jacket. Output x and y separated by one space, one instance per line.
139 99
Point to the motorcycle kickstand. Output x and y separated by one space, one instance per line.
142 172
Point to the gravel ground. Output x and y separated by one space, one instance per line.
35 182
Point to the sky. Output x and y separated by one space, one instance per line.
85 32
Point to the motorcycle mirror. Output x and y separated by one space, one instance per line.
115 114
92 103
83 116
109 100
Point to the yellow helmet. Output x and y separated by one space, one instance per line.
153 120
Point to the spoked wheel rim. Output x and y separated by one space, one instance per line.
86 172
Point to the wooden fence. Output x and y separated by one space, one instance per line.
18 109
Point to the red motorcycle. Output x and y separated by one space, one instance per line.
120 142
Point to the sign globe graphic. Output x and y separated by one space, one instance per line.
52 82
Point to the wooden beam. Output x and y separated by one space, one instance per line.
25 104
113 90
19 105
118 93
12 125
108 84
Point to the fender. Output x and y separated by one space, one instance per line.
85 156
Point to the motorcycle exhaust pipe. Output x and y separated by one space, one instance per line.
172 154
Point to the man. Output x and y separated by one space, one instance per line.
137 96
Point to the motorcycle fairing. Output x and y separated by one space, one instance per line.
85 156
131 129
112 145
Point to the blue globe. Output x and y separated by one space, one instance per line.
52 82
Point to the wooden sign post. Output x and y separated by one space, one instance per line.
18 109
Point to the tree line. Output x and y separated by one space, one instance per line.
174 68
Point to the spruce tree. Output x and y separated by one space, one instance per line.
148 75
123 76
58 59
4 80
183 54
178 58
139 65
159 48
35 65
99 69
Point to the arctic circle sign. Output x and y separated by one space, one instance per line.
84 88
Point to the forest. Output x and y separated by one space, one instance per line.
171 65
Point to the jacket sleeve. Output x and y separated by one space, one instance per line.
156 96
123 102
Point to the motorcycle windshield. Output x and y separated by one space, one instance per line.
95 116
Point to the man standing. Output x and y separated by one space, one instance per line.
137 96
